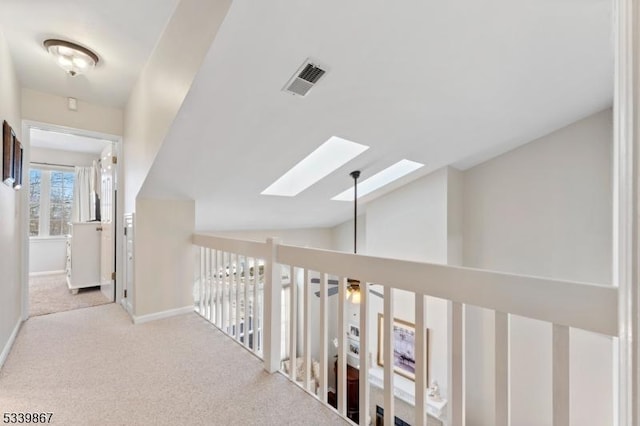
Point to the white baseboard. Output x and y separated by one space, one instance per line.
7 347
39 274
160 315
127 307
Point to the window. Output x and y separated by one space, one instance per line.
60 199
50 201
35 184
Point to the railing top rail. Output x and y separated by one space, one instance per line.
592 307
245 247
588 306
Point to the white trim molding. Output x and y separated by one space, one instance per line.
625 206
9 345
43 273
141 319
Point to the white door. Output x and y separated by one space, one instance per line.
107 245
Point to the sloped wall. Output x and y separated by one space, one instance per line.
163 84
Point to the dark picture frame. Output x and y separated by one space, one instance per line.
404 349
18 153
8 145
354 332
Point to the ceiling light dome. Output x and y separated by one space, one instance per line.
72 58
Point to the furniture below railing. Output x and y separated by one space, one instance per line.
239 288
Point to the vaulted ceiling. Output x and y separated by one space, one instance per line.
441 83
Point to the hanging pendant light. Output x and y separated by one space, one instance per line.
353 287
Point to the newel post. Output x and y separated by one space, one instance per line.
626 196
272 308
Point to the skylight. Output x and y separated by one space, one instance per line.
328 157
380 179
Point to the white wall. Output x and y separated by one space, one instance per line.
164 269
11 227
410 222
455 216
52 109
58 156
47 254
342 236
542 209
311 237
163 85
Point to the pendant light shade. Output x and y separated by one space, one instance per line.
353 291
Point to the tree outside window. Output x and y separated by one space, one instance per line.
50 202
35 179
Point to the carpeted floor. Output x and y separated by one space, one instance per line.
49 293
93 367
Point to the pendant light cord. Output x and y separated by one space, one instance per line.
355 175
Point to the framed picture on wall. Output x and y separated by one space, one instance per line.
8 137
17 164
354 348
404 347
354 332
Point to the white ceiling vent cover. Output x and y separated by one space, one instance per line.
304 79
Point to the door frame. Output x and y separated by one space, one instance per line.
27 125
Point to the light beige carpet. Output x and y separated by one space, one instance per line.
49 293
93 367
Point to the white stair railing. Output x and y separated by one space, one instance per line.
233 300
230 288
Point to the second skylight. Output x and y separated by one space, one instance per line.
380 179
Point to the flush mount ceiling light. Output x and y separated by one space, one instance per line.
72 58
329 156
380 179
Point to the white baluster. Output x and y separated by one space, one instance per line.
363 407
323 337
456 380
421 360
341 387
560 376
388 356
272 309
293 318
502 368
307 334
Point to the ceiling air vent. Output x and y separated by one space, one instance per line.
304 79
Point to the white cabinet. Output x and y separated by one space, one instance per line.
83 256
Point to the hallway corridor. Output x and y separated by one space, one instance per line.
93 367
